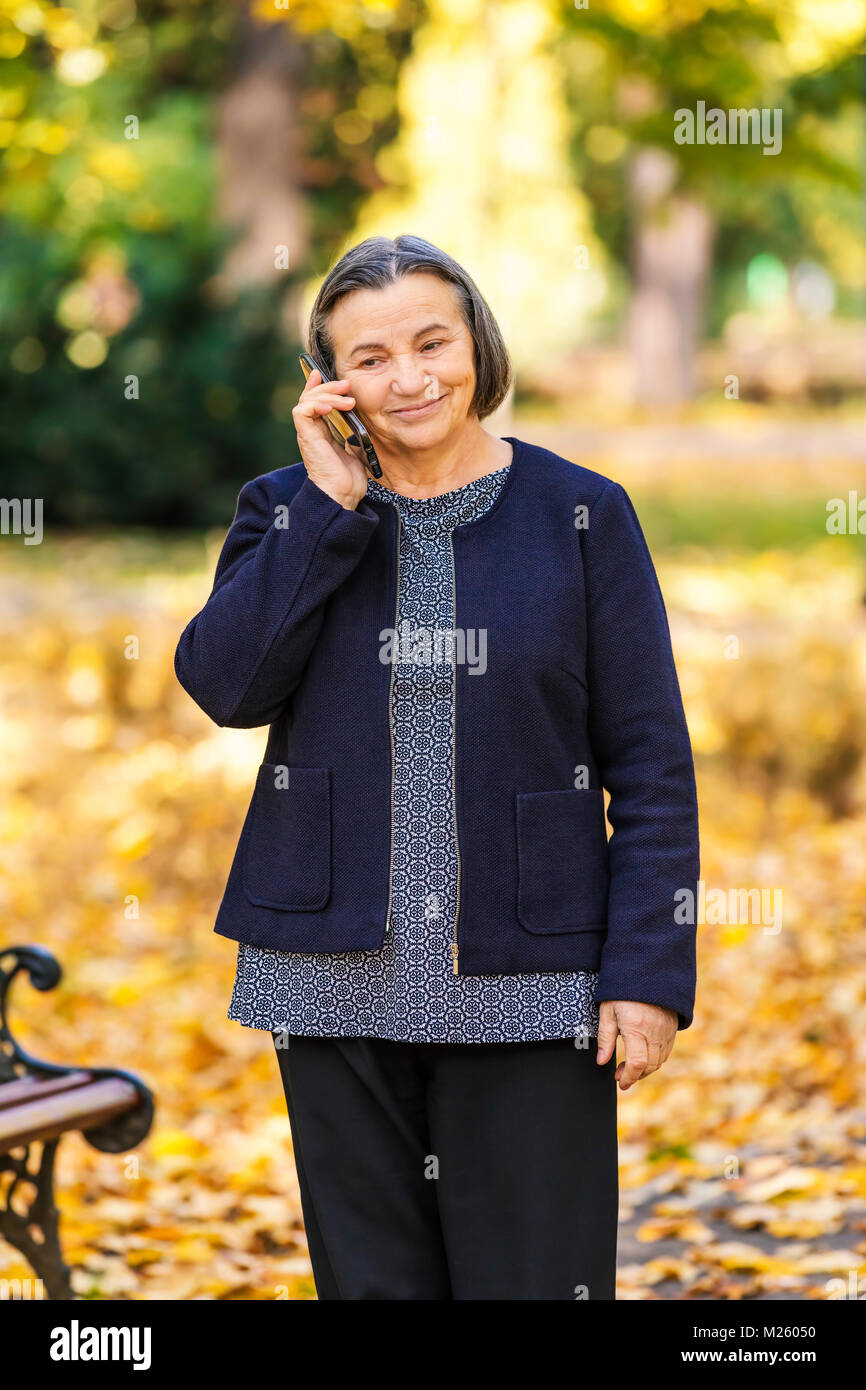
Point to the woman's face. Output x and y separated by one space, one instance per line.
401 348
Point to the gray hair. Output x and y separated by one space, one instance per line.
381 261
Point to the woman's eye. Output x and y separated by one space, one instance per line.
436 343
367 361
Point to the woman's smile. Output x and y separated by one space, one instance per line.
414 412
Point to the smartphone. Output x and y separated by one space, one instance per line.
345 425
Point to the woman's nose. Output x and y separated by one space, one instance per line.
409 379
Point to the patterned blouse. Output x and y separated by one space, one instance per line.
407 991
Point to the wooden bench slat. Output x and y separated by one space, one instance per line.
13 1093
82 1108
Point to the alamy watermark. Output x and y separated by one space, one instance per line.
717 907
846 518
434 646
22 516
738 126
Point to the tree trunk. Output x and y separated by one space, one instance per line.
672 249
260 157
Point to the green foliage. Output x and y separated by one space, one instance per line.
135 384
204 418
111 254
631 67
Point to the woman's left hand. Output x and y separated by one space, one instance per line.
648 1034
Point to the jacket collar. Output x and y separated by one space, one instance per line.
518 463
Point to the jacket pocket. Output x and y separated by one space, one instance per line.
287 849
562 861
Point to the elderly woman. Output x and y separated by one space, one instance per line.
454 661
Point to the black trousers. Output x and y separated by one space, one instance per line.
454 1170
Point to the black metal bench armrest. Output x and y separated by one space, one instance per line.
129 1111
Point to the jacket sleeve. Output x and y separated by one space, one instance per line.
242 656
639 737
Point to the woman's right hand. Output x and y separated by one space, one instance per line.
337 471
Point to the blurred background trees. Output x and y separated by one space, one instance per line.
684 218
178 173
151 153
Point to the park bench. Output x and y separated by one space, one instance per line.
41 1101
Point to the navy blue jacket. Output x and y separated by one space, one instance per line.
579 693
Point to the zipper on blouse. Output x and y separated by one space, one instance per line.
454 943
391 724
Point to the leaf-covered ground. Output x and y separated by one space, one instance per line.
742 1163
